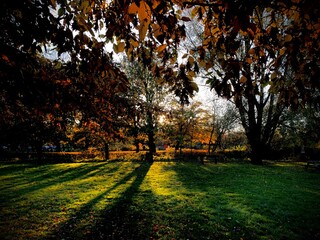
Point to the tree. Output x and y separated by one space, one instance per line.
250 54
257 44
30 102
299 128
183 123
146 98
222 124
34 87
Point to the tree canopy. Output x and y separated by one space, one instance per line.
257 53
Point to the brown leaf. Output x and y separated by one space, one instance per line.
161 48
287 38
243 79
186 19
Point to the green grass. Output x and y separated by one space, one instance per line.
132 200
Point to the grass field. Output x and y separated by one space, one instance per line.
163 200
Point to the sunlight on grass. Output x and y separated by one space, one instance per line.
163 200
160 181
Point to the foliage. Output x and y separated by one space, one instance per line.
253 54
147 101
185 125
301 128
249 37
261 54
39 92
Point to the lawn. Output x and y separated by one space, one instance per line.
163 200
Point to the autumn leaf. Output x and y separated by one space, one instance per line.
194 86
144 15
274 75
185 55
282 51
202 64
155 4
144 12
287 38
143 30
191 74
251 51
53 3
5 58
185 19
191 60
249 60
134 43
243 79
161 48
133 8
121 46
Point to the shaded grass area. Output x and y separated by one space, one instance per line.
163 200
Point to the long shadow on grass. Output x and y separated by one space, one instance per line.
40 177
250 202
116 221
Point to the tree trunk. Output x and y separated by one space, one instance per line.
151 144
106 151
257 151
210 140
39 151
136 143
58 145
256 154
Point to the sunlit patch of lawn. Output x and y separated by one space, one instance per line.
163 200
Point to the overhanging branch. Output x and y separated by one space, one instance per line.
202 4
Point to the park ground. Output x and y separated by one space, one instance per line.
162 200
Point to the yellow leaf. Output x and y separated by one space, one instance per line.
121 46
161 48
134 43
202 64
194 86
191 74
191 60
160 81
194 12
215 30
273 75
243 79
173 60
84 5
115 48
